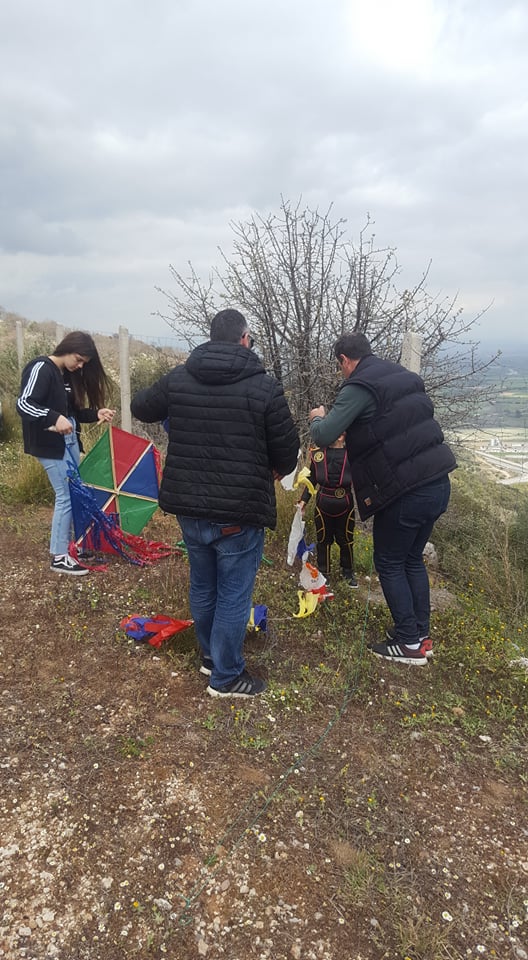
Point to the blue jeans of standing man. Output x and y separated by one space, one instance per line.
224 559
400 533
57 470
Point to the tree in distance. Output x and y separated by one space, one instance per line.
302 281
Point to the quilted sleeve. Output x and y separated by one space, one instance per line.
281 433
151 405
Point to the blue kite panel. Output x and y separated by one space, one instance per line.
101 496
143 481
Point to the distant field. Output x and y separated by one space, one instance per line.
479 436
505 417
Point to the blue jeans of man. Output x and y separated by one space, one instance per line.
400 533
57 470
224 559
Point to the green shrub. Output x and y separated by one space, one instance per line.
22 478
145 369
9 374
34 346
482 541
10 424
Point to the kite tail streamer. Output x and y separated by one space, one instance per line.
102 531
153 630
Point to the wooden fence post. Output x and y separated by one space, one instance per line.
124 376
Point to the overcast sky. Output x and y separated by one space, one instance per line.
132 132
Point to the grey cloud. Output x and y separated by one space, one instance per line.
129 133
26 232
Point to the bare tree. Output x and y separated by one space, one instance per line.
302 282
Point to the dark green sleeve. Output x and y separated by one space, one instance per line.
350 404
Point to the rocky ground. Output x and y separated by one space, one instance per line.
140 818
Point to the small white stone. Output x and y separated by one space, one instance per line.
162 904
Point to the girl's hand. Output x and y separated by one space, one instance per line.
104 415
63 425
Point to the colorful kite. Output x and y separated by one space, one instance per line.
124 473
114 493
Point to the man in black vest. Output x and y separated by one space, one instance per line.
400 466
231 435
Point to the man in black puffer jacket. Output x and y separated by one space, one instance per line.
231 434
400 472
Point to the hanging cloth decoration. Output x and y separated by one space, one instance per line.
310 578
304 479
153 630
258 619
287 481
312 581
296 535
307 604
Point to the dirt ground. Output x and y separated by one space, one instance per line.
141 818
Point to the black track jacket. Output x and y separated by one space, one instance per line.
45 394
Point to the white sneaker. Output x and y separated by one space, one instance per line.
68 565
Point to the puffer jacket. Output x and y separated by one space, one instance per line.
229 427
399 448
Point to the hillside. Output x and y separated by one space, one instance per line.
108 346
358 810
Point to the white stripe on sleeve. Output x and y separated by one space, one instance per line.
24 401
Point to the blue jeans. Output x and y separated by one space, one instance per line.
400 533
57 470
223 570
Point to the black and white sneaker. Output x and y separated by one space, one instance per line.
242 686
67 564
400 653
426 644
206 666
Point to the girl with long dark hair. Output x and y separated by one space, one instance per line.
57 394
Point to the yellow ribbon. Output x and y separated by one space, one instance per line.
307 603
304 478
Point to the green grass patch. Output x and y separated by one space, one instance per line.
22 478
